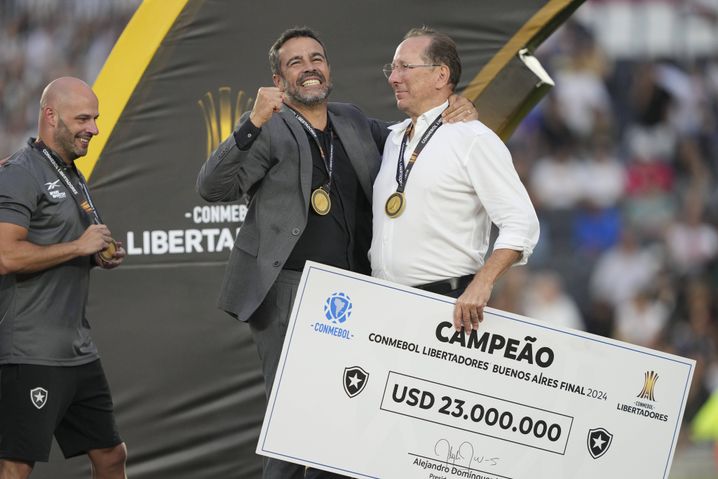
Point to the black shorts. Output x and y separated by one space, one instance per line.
73 403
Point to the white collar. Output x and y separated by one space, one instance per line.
423 120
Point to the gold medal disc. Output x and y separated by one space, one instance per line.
395 204
108 253
321 203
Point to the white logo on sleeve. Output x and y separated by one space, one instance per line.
38 397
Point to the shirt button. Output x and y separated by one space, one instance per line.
249 135
276 263
296 231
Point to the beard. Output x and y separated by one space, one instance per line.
294 91
65 140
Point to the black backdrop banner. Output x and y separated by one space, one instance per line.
185 377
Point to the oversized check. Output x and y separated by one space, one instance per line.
374 381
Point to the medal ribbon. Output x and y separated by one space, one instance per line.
402 172
86 206
329 165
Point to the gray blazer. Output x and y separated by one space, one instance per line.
276 171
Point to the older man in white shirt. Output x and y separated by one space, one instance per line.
433 209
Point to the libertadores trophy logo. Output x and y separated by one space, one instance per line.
649 384
338 308
598 442
38 396
355 379
221 113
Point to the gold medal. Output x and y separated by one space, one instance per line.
108 254
395 204
321 203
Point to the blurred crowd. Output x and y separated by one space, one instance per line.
620 158
621 161
43 39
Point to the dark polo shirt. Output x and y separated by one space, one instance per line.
42 314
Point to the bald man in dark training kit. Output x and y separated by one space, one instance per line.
51 379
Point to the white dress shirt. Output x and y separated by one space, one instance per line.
462 181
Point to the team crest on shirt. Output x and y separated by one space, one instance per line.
38 397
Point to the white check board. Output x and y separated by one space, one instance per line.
374 382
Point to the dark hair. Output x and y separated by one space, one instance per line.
442 50
296 32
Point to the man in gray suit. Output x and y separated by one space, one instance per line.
308 166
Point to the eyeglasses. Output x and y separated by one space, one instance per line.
403 67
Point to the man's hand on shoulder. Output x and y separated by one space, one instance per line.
460 109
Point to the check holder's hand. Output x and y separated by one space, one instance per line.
460 109
469 309
268 102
